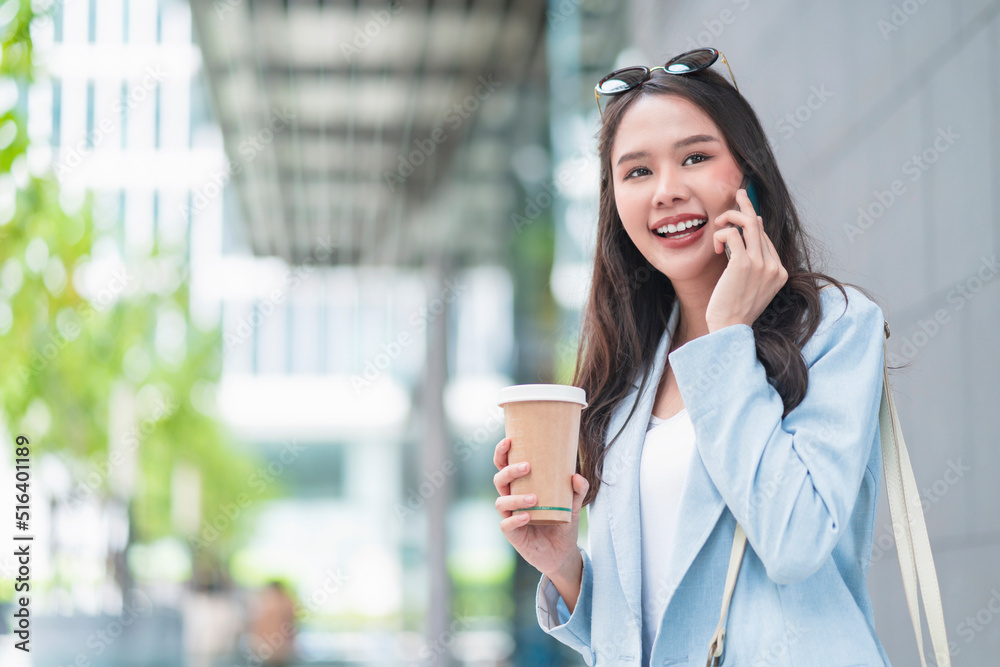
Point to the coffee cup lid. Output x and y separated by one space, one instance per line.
543 392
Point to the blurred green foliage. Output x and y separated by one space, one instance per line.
65 354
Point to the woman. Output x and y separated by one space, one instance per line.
720 390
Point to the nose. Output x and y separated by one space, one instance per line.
669 190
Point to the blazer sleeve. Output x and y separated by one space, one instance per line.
554 618
791 483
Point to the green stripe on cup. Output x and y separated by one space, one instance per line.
540 507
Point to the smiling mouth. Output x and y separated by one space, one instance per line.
681 230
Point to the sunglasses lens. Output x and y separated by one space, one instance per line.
621 80
692 61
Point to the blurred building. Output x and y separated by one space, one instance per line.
366 305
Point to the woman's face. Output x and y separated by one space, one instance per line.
669 158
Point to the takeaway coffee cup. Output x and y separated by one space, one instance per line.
543 424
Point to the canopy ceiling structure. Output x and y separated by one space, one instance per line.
385 127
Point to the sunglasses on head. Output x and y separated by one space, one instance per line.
628 78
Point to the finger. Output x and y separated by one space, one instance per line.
580 488
766 249
514 521
507 504
746 206
751 228
729 235
770 244
731 219
767 244
782 272
500 454
502 479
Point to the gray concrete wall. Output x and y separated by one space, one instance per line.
888 82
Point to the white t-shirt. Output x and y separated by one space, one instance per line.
666 456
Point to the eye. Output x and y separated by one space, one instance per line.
701 155
629 174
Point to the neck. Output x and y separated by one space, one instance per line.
693 296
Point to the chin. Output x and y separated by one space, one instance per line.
682 275
682 267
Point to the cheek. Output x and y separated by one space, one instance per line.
631 222
631 208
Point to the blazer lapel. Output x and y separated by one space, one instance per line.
700 504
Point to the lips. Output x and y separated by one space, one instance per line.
677 220
684 227
684 239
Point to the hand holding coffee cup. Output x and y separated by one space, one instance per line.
548 548
540 503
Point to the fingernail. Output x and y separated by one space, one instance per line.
530 499
523 466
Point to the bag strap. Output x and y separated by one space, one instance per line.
716 647
916 562
913 548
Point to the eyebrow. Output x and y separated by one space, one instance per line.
693 139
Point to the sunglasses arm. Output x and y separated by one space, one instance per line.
730 72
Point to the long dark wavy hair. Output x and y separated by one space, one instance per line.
630 301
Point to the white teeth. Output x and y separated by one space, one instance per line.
671 229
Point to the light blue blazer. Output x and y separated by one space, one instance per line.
805 489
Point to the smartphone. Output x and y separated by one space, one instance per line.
747 184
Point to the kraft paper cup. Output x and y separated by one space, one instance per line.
543 424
